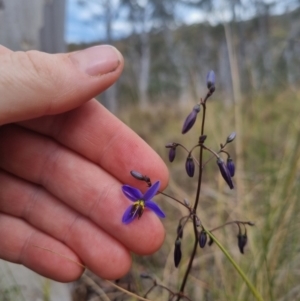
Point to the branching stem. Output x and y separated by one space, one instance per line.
195 209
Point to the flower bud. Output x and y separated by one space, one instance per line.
210 79
186 202
225 172
170 145
212 90
137 175
172 154
210 242
231 137
177 253
230 167
202 139
145 276
190 166
202 239
242 241
190 120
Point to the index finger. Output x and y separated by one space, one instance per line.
99 136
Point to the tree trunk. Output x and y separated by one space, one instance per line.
143 78
110 95
32 24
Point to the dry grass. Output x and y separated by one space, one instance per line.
271 144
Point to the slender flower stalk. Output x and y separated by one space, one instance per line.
195 209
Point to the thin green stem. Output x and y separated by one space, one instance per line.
254 291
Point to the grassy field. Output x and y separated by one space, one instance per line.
267 193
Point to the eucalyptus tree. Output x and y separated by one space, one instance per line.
146 17
105 12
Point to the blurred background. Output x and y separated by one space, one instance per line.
169 46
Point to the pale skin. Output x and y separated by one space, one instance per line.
63 159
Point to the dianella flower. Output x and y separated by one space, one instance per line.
140 202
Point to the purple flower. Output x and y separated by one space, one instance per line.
141 201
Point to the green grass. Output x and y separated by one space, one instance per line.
270 140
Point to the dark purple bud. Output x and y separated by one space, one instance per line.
230 166
210 242
190 120
202 139
190 166
179 231
212 89
177 253
202 239
225 172
242 241
231 137
145 276
172 153
210 79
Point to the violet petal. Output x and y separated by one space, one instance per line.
133 194
151 192
155 208
128 217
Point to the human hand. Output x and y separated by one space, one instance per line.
63 158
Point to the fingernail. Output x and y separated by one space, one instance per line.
97 60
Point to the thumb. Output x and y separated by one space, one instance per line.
33 83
